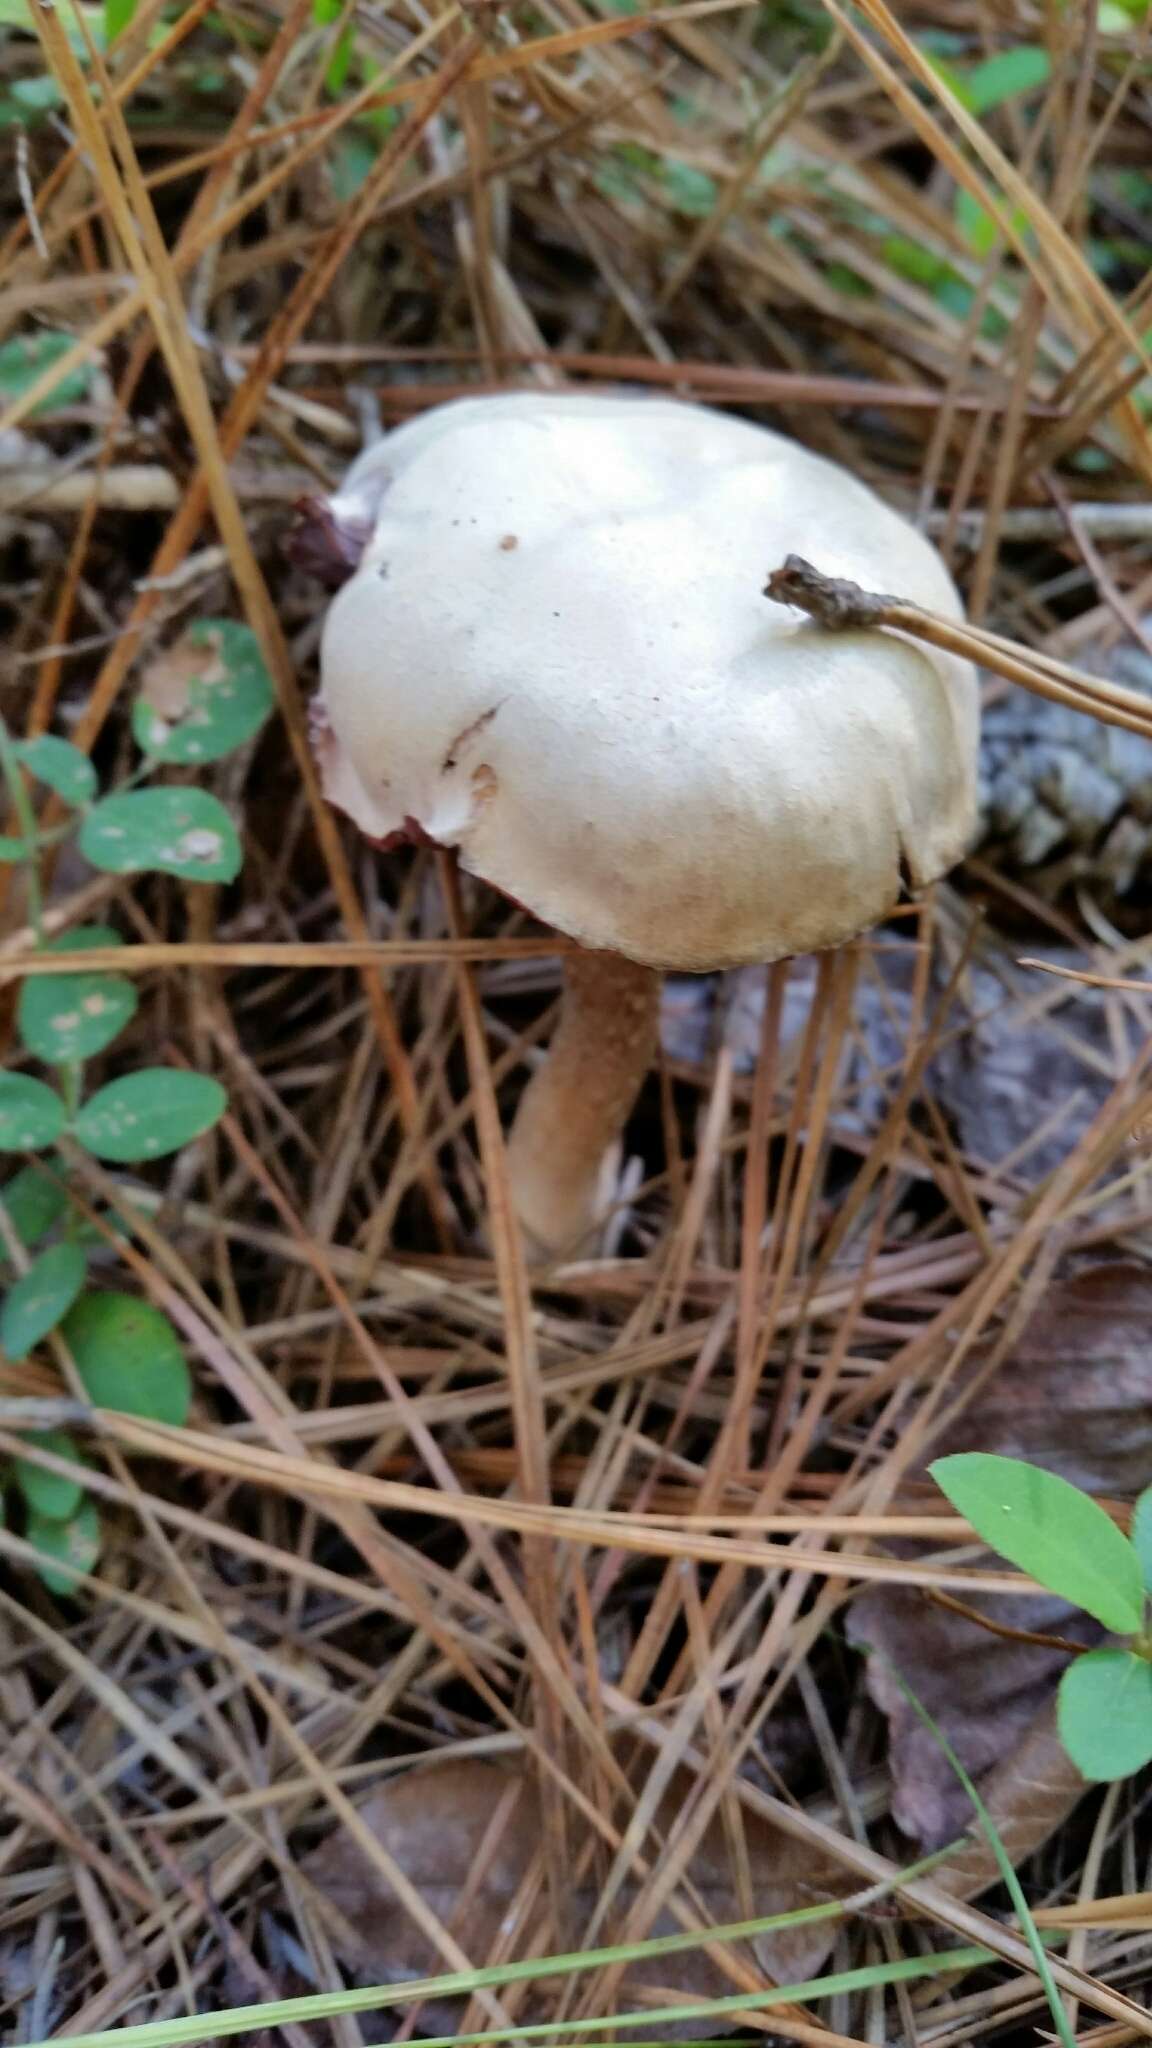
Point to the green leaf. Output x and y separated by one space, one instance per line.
353 157
41 1297
60 765
1142 1535
75 1542
48 1494
206 695
118 15
977 226
16 849
911 259
691 191
1006 76
340 62
69 1017
149 1114
183 832
33 1201
31 1114
1104 1713
1049 1529
27 356
25 101
129 1357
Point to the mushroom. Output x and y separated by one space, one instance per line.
554 656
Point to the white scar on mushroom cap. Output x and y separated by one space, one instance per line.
555 657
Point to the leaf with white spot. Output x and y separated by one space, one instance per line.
183 832
31 1114
68 1017
41 1297
149 1114
59 765
205 696
75 1542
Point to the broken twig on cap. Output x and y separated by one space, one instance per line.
840 605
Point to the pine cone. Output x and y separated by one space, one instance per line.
1062 797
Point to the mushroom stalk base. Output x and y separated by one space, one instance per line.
574 1109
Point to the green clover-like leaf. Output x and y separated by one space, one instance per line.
149 1114
205 697
182 832
1105 1713
31 1114
60 766
128 1356
68 1017
41 1297
50 1495
75 1542
1050 1529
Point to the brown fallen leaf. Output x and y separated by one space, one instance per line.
443 1825
1075 1395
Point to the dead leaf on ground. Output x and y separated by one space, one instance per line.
435 1823
1075 1395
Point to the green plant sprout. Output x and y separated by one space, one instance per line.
1062 1537
125 1351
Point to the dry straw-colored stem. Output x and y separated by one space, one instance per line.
842 606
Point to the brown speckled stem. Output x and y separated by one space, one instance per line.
574 1108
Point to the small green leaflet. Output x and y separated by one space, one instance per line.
1005 76
60 765
129 1357
41 1297
75 1542
148 1114
31 1114
183 832
1104 1713
33 1201
1051 1530
64 1018
49 1494
25 358
118 14
205 696
1142 1535
16 849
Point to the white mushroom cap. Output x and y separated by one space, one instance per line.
555 656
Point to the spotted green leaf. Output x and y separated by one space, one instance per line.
1050 1529
183 832
41 1296
60 766
1104 1711
49 1494
204 697
149 1114
31 1114
128 1356
68 1017
75 1542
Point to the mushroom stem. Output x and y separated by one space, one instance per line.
574 1108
